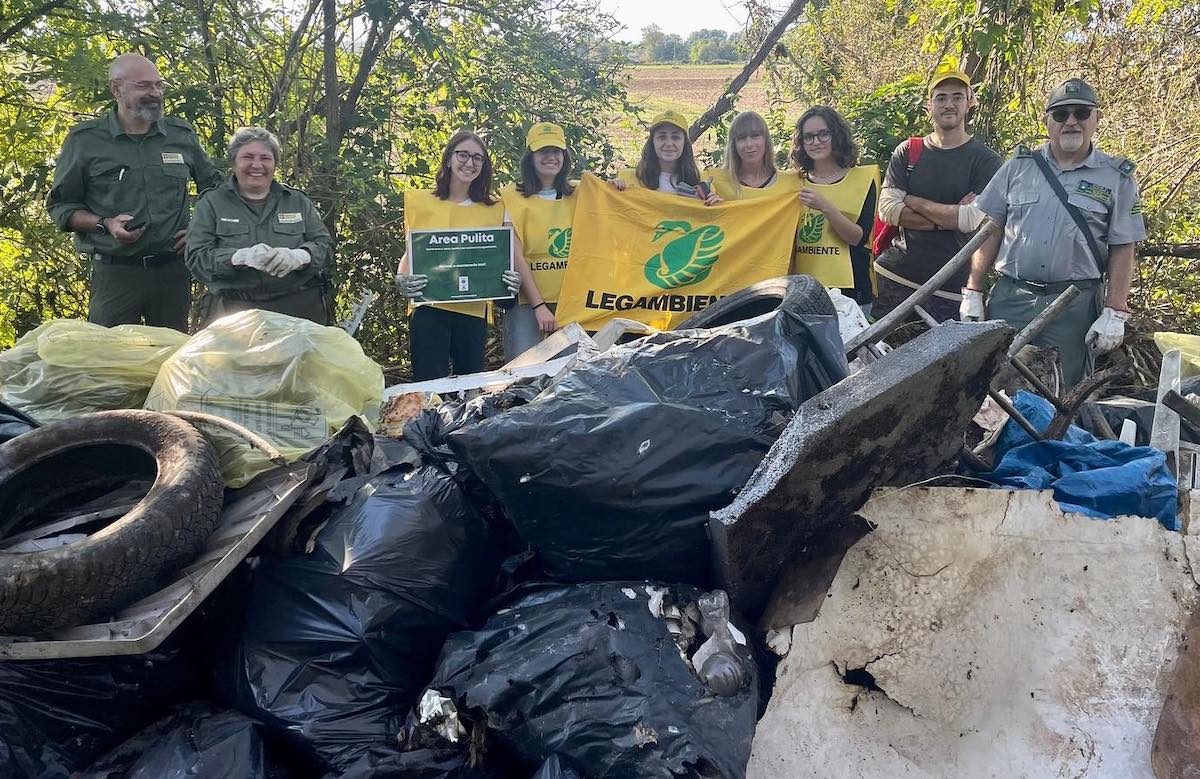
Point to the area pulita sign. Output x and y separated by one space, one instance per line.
462 265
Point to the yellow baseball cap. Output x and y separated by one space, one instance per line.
948 70
670 117
545 134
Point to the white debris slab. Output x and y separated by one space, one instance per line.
1005 639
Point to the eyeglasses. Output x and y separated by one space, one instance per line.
465 156
146 86
820 136
1081 114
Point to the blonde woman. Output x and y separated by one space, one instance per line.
749 169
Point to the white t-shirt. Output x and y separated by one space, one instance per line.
545 194
666 182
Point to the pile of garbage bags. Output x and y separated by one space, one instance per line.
523 592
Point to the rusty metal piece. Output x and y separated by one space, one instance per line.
1015 415
1036 381
1078 394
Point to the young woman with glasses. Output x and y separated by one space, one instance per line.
450 337
839 197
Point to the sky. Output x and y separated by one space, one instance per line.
677 16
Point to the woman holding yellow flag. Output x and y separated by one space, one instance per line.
839 197
749 169
540 208
445 337
667 163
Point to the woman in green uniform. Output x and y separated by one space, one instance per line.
256 243
450 337
839 196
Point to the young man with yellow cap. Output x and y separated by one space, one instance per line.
928 191
667 163
540 208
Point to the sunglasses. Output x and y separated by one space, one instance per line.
1081 114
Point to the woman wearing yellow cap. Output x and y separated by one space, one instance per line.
749 169
446 337
540 208
840 197
667 163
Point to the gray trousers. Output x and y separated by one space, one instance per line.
521 331
129 294
308 303
1018 304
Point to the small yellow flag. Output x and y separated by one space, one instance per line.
658 257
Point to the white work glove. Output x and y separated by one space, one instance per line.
1107 332
971 307
291 260
250 255
512 280
411 284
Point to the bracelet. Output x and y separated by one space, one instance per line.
539 305
971 289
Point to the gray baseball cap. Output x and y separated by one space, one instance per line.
1073 91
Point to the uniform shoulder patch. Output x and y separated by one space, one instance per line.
1126 167
1136 208
1022 151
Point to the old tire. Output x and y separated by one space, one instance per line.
798 294
126 560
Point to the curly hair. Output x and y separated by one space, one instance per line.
845 149
481 188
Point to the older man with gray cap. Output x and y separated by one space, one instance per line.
1071 215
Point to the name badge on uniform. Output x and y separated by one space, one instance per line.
287 219
227 219
1095 192
172 158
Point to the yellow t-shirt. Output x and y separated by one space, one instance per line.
423 210
544 227
784 181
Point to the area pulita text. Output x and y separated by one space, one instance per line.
461 238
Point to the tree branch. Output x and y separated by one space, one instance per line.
1186 251
30 18
285 72
725 101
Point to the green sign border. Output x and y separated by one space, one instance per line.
417 257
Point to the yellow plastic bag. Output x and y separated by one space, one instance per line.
64 367
290 380
1188 345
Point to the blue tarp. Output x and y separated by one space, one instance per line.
1102 479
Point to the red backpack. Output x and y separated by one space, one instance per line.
884 233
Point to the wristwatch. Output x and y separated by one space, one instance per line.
100 227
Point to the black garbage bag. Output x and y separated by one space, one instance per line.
611 473
336 645
57 716
434 763
196 740
595 675
13 422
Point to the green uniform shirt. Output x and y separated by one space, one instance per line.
108 172
224 223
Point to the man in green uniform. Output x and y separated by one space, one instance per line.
1071 216
121 185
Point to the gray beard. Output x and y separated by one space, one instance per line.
1070 143
148 113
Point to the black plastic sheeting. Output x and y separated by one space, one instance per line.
195 741
13 422
420 764
587 674
57 716
337 645
611 473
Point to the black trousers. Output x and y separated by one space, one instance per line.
444 342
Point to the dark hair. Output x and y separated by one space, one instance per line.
845 150
481 188
531 183
648 168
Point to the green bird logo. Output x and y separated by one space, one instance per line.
687 258
560 242
813 227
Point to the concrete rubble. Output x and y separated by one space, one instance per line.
979 633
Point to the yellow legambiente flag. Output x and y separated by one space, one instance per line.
659 258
